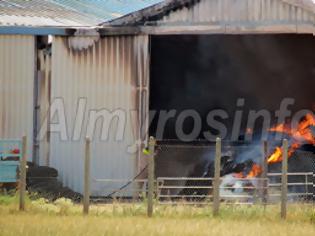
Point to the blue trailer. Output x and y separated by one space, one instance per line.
10 156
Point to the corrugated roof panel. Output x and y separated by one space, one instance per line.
67 13
40 13
106 10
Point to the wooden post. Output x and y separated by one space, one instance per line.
313 181
264 174
152 143
86 196
284 180
216 181
22 184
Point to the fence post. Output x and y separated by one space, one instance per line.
216 181
265 173
86 194
284 180
313 181
22 183
152 143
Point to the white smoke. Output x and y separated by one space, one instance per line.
83 39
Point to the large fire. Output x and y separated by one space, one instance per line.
299 135
302 134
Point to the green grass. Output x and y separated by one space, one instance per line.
65 218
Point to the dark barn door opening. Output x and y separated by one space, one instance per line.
204 73
225 72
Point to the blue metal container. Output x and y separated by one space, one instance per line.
10 156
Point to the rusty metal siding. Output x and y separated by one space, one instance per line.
237 15
17 68
108 75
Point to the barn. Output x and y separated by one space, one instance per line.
65 69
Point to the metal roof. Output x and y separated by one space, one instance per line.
165 7
66 13
62 17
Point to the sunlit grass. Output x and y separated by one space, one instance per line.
63 217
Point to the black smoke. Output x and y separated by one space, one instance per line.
206 72
211 72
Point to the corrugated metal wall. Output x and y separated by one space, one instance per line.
244 14
17 68
110 75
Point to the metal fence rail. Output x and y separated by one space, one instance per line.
135 189
269 188
169 190
192 190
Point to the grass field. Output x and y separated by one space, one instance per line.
64 218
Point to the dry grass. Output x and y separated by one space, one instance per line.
64 218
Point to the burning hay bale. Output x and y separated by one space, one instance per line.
301 155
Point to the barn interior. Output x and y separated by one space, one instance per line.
210 72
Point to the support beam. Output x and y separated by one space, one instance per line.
216 181
284 180
22 183
86 194
151 177
264 175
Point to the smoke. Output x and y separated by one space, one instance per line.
212 72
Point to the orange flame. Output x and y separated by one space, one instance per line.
276 156
303 131
302 134
256 170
